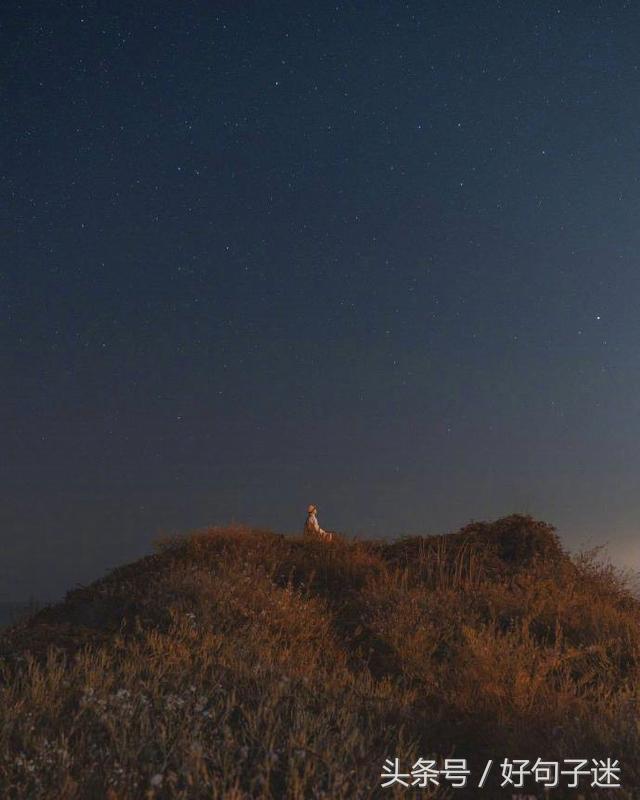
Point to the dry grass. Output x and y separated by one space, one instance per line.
243 664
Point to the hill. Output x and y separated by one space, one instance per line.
12 612
239 663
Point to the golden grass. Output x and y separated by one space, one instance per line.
237 663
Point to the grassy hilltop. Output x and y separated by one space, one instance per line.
238 663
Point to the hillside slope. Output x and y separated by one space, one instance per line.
240 663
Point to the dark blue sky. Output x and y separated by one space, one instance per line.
378 256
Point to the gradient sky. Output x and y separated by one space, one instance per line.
382 257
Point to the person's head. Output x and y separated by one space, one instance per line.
312 509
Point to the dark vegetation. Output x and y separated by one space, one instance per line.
238 663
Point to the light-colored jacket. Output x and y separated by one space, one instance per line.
312 527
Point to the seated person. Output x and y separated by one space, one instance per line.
312 526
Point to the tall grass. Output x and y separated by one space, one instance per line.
237 663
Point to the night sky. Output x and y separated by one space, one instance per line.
381 257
